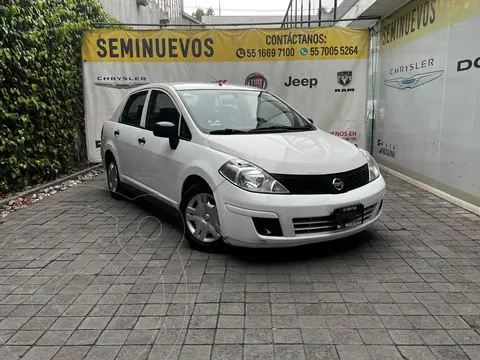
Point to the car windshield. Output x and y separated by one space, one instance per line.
241 112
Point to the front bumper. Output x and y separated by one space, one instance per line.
237 208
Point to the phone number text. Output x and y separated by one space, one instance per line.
265 53
313 51
333 50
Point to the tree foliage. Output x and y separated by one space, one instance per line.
200 12
41 93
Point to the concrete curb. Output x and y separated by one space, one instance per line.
52 183
454 200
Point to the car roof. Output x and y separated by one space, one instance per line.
196 86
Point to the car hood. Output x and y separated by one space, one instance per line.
306 152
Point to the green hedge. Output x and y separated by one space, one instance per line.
42 130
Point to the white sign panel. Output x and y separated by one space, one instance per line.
428 111
320 72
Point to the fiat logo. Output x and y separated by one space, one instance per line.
338 184
256 80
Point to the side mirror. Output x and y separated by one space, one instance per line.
310 120
165 129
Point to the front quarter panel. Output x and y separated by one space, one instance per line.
206 164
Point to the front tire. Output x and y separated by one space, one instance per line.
113 180
200 219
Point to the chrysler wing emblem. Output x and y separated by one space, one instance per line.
125 85
414 81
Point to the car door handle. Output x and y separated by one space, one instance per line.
141 140
116 132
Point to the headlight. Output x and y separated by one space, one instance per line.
373 169
250 177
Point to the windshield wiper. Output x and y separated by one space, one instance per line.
279 128
229 132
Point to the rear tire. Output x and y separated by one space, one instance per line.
113 180
200 219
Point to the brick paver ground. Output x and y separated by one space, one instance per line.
83 276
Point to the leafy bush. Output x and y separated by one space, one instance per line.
42 130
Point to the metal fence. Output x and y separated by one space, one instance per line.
313 13
308 13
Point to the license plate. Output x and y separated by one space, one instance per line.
349 216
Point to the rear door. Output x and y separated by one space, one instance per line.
126 134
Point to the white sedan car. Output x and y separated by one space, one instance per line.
241 165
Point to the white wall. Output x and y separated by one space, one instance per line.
355 11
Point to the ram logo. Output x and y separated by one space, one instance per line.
344 77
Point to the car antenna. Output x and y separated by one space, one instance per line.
219 83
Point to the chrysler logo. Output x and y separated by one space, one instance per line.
413 82
121 82
337 184
120 85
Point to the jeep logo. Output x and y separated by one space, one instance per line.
464 65
310 82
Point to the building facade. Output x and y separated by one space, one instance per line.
153 12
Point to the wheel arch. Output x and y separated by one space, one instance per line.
198 175
192 180
109 157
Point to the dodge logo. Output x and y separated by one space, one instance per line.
338 184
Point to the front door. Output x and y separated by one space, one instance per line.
159 160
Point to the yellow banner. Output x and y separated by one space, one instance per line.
422 17
224 45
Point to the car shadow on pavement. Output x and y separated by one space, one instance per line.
336 248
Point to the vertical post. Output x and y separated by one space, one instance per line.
309 11
335 10
301 14
296 10
291 14
285 18
319 12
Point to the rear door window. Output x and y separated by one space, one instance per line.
132 113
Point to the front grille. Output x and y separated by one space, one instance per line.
314 225
323 184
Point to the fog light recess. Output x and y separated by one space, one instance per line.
267 227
